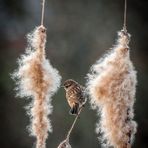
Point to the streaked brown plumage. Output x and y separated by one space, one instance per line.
74 95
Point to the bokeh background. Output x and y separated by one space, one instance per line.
79 33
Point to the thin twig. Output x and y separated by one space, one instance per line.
125 16
69 132
43 9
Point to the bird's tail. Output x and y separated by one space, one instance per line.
75 109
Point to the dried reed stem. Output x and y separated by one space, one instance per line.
73 124
42 14
112 87
65 143
125 16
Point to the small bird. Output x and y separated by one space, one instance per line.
74 95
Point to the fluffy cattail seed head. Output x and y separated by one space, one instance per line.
36 78
112 87
37 38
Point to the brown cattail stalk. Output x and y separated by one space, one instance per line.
112 86
36 78
65 143
42 14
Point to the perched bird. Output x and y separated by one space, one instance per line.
74 95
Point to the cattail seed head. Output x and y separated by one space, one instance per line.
36 78
112 87
37 39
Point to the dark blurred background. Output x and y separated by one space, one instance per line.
79 33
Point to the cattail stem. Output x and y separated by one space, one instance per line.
125 17
73 124
43 10
65 143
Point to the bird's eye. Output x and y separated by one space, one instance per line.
67 86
